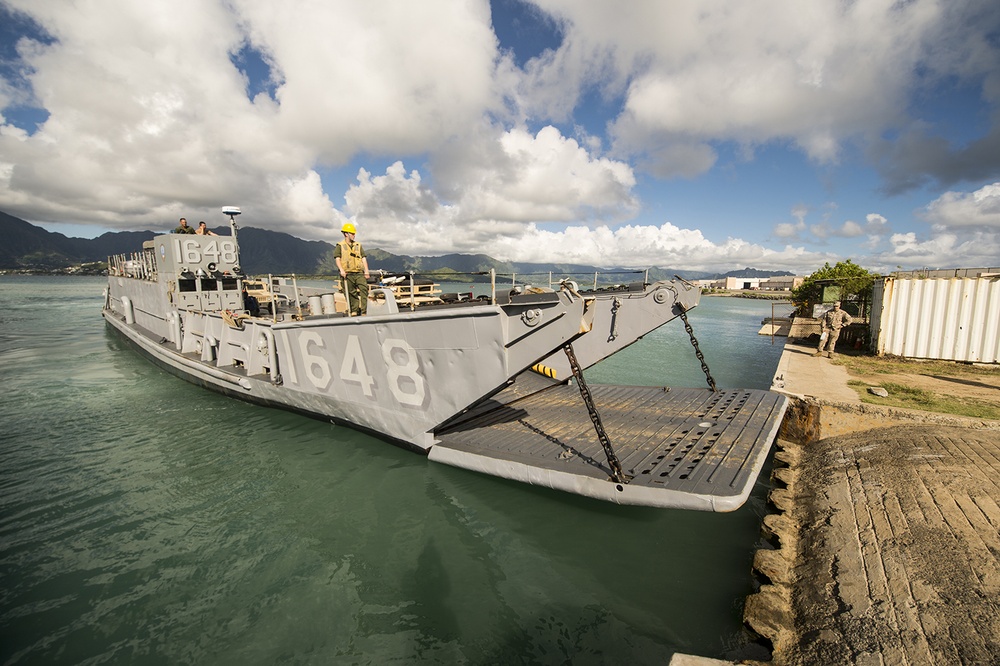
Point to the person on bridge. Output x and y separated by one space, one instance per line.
183 228
830 324
353 266
203 230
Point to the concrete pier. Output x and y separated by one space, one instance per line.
886 530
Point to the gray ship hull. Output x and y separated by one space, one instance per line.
395 375
455 382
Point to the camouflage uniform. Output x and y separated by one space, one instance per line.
831 323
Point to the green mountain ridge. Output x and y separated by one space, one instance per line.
29 247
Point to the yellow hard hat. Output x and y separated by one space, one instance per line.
348 228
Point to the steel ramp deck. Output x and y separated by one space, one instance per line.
683 448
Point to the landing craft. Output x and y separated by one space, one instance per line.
491 384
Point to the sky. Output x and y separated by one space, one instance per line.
702 135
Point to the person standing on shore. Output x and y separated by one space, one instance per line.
830 324
353 266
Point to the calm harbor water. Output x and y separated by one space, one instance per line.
143 519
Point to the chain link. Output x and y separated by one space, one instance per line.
697 349
616 467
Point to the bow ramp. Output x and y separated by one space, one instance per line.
678 448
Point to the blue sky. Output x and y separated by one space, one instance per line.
706 135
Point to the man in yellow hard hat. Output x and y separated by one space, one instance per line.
353 266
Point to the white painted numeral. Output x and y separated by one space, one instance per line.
317 369
212 251
229 252
405 380
353 368
191 253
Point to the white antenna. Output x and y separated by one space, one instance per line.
232 212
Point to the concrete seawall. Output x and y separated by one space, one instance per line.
885 529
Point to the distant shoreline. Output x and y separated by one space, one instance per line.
73 271
758 295
90 271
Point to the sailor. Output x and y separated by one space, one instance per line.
830 324
353 266
203 230
183 228
250 303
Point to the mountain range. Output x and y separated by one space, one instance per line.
28 247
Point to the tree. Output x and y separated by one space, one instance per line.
852 279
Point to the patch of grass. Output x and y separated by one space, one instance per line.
920 398
910 397
894 365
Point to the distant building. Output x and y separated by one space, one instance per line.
782 282
743 282
776 283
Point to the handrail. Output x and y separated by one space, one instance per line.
514 278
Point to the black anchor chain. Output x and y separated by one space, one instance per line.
697 349
616 467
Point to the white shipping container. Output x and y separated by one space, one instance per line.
955 319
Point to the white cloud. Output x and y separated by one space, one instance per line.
498 187
788 230
944 250
150 120
398 213
395 195
633 246
537 178
964 233
851 229
356 77
874 225
792 230
148 111
695 74
958 210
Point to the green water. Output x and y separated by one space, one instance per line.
145 520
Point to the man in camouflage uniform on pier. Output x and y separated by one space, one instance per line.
830 324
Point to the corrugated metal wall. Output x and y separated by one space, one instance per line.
955 319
